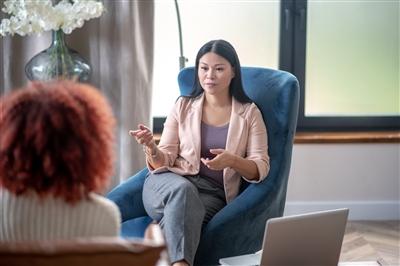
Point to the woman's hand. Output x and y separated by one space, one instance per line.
144 136
222 160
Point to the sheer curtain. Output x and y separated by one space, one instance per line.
119 47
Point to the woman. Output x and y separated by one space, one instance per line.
56 150
210 140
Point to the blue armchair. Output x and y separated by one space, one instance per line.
238 228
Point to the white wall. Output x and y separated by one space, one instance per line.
362 177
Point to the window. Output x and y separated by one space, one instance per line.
251 26
346 56
344 53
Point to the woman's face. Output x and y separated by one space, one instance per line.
215 74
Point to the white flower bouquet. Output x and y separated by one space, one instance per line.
35 16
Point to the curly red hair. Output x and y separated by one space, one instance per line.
56 138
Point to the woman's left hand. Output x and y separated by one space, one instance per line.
222 160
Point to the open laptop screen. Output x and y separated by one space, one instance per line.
306 239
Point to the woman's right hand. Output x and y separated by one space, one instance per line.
144 136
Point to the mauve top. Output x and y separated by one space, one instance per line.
212 137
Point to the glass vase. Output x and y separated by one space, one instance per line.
58 62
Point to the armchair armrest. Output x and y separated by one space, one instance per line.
128 196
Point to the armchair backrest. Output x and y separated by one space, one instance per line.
276 94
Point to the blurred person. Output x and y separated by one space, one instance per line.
56 158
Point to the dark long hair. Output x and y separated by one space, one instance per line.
226 50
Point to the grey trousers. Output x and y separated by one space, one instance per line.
181 205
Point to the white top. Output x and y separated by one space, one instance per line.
27 217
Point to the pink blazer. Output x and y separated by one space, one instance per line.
180 141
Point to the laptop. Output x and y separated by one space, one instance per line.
312 239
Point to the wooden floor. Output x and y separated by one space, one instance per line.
372 240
